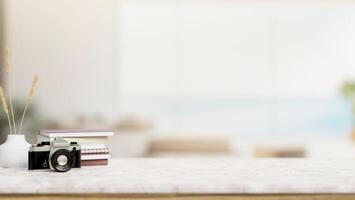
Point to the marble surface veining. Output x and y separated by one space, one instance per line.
190 176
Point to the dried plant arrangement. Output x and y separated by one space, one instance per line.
10 113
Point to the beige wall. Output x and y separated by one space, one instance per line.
2 15
70 45
2 137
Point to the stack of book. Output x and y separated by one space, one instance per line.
93 144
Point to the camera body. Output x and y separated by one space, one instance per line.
58 155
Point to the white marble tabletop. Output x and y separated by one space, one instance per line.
189 176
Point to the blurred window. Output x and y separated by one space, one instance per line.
249 68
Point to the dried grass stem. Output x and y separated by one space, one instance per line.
6 110
29 99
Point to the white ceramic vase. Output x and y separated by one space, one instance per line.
14 152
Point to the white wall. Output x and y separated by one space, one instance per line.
70 45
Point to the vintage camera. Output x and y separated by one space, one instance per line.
58 155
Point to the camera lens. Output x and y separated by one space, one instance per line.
62 160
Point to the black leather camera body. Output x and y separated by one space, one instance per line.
58 155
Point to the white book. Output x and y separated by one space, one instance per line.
96 151
95 157
92 146
75 133
83 144
82 140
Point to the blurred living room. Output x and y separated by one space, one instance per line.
189 78
188 99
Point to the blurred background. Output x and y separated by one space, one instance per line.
238 78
